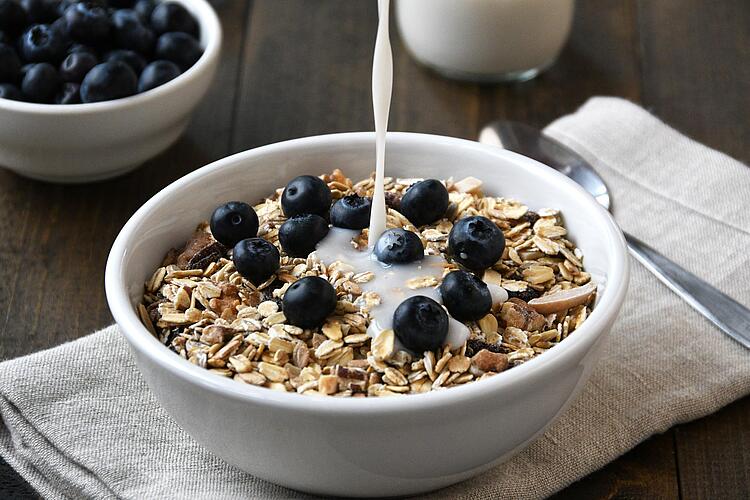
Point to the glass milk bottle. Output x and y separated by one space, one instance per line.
485 40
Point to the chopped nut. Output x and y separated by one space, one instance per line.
487 361
214 334
328 384
518 314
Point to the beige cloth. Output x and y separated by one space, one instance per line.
80 422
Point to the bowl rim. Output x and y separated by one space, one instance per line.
142 340
209 24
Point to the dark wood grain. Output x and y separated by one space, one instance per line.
696 69
713 454
292 68
648 471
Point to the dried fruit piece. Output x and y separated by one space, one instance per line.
200 250
487 361
214 334
516 313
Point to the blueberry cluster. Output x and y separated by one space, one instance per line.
420 323
69 51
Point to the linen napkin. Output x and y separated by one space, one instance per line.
80 422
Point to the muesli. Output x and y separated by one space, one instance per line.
233 300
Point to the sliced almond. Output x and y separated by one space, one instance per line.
563 300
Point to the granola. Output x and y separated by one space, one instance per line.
200 307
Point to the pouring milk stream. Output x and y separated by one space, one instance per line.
390 282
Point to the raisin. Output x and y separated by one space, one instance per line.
473 346
392 200
525 295
530 217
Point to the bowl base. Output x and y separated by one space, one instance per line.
78 179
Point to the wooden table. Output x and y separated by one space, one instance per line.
293 68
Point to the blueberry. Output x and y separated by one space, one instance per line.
171 16
306 194
40 43
398 246
180 48
63 6
144 8
421 324
10 64
130 33
75 67
157 73
476 242
41 11
88 22
465 296
424 202
25 69
13 18
121 4
69 94
351 212
308 302
299 234
255 259
8 91
60 25
41 82
234 221
107 81
136 62
79 47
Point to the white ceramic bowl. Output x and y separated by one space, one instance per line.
365 447
89 142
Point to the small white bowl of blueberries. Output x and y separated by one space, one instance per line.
91 89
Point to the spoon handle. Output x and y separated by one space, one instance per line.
726 313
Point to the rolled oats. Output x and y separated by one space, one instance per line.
200 306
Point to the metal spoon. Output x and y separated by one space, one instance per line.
726 313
